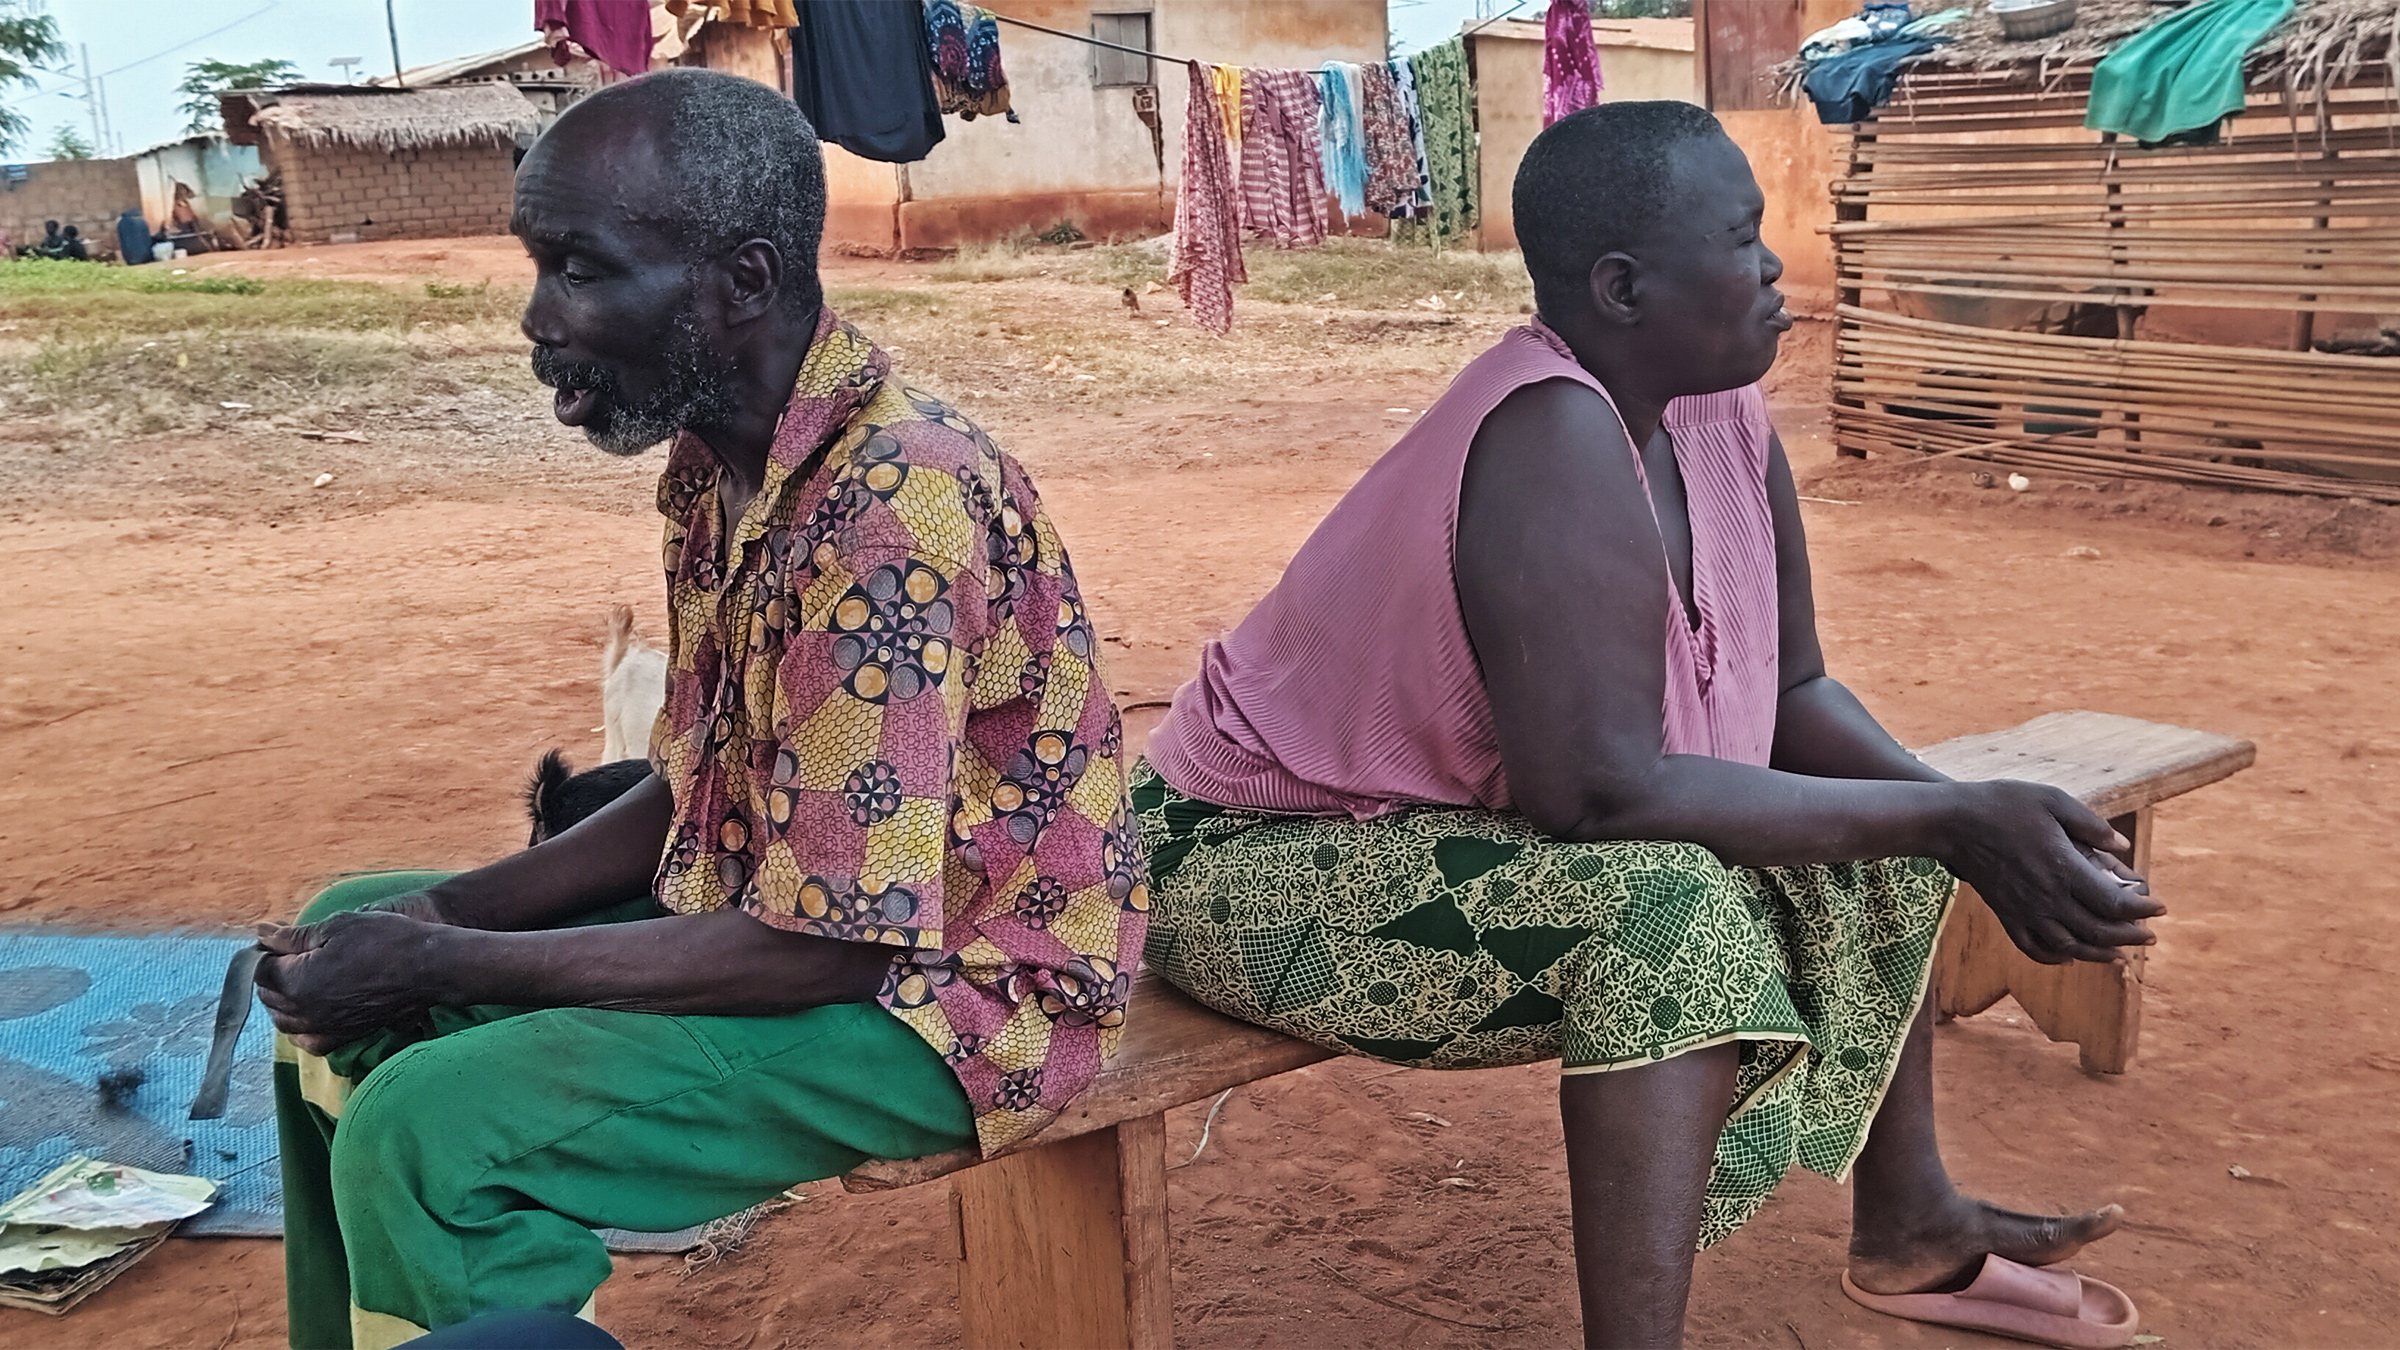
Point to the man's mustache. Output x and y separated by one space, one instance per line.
560 373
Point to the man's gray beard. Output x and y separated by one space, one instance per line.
697 391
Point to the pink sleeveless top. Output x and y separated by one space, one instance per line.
1352 687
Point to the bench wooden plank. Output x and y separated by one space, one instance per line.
1066 1244
1174 1052
2115 765
2120 767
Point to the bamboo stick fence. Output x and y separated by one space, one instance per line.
1997 265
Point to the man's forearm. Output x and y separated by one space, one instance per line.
608 859
722 963
1823 731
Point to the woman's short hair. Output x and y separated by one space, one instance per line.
1595 183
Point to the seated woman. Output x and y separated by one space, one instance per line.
1531 753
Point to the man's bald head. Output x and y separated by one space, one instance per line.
707 161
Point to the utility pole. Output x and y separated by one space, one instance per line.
392 26
91 105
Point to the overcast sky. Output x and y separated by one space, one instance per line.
139 48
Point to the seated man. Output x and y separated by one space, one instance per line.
878 901
1531 753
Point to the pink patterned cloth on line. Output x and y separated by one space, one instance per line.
1570 62
616 34
1208 245
1283 173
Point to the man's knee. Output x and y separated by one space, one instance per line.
389 1131
361 891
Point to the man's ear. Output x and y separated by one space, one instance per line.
1612 290
753 280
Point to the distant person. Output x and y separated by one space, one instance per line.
52 244
881 897
1532 754
71 245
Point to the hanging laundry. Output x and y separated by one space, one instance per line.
1850 86
963 42
1446 101
861 72
740 13
1227 81
1208 247
1343 139
616 35
1421 201
1283 171
1391 153
2182 76
1570 61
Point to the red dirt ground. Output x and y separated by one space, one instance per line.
204 714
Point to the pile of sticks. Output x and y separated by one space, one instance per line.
1968 186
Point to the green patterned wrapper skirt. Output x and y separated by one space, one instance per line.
1456 939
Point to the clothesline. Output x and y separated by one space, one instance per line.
1115 46
1186 61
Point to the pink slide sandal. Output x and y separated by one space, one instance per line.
2051 1307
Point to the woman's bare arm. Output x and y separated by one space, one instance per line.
1563 583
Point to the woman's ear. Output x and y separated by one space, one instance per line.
1612 290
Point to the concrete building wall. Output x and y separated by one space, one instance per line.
408 194
1080 154
1639 59
752 53
84 193
1790 152
1794 157
862 201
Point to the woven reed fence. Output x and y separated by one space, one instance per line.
2001 268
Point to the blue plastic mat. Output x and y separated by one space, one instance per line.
76 1006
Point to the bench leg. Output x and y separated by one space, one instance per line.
1066 1245
2099 1007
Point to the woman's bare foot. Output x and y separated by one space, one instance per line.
1944 1248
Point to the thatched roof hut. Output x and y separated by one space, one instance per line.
370 117
2016 288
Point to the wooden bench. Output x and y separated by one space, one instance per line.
1063 1242
2121 767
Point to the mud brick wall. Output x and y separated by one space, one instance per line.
84 193
430 193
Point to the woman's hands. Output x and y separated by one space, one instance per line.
2041 860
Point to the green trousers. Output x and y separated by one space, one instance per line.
430 1179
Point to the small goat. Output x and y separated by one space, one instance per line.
558 798
633 687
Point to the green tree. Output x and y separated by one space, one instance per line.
69 143
28 42
203 79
